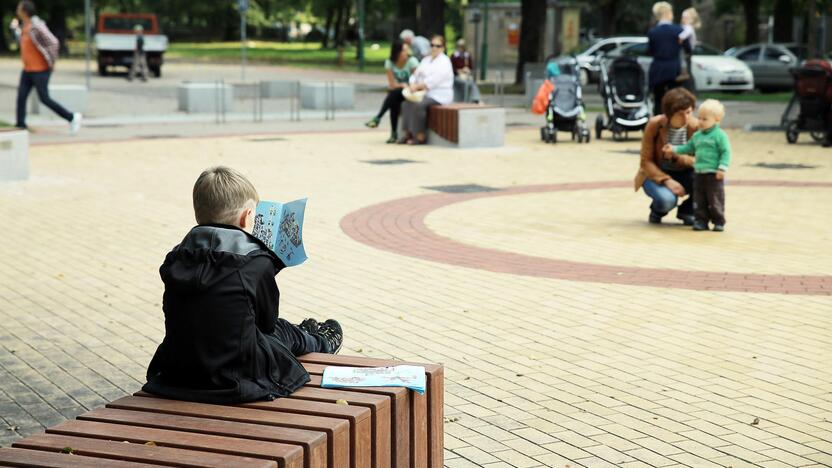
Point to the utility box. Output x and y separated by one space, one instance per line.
14 155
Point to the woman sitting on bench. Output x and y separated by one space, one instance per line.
432 84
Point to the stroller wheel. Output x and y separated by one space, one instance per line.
792 132
599 126
818 136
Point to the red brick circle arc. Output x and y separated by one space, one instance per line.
398 226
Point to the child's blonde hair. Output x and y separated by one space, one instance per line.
220 196
712 107
661 8
694 17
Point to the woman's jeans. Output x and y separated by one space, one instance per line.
40 81
665 200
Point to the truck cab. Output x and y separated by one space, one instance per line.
115 41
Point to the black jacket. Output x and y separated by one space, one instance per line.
663 45
220 304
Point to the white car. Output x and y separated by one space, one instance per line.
589 59
712 71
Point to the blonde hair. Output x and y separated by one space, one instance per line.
661 8
712 107
221 194
694 17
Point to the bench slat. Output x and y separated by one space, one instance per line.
139 452
37 458
288 455
379 407
434 394
399 412
360 422
313 443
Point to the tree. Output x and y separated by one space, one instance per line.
532 29
432 18
783 21
752 20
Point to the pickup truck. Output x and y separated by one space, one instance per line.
115 41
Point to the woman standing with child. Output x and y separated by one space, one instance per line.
398 68
690 23
664 46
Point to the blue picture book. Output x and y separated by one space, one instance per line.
280 226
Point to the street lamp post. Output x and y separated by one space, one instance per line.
484 53
87 34
243 58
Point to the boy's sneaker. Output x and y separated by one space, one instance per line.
698 226
75 124
687 220
719 227
332 333
310 326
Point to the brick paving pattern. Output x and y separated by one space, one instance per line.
541 371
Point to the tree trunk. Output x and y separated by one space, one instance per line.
812 42
432 18
532 30
330 16
752 21
608 19
339 15
406 13
783 21
57 24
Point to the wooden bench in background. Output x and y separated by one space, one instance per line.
462 125
380 427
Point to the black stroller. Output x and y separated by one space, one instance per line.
813 93
624 92
565 111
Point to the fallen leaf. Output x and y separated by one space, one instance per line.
401 317
519 375
68 450
341 402
150 443
755 422
359 350
450 419
13 428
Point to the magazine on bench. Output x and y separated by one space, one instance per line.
280 226
412 377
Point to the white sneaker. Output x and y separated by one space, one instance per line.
75 125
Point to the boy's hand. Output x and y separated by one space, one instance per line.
720 175
667 151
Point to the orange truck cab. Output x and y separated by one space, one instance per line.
115 41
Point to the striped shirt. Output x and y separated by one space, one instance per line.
675 136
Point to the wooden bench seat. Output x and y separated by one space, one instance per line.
463 125
378 427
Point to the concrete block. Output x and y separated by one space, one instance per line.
478 128
205 96
72 97
314 95
279 89
14 155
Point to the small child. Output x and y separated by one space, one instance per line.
712 150
690 23
224 342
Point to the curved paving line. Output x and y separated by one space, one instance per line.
398 226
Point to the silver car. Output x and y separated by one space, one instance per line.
770 63
589 59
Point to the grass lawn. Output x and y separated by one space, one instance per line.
297 54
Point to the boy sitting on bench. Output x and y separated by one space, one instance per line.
224 342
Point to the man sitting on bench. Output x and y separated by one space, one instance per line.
224 342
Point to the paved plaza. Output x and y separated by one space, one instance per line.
573 332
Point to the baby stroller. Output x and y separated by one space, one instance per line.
624 93
565 111
813 93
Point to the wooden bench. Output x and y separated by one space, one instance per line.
379 427
464 125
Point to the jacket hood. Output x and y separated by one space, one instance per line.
210 253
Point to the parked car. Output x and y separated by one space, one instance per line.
115 40
712 71
770 63
588 60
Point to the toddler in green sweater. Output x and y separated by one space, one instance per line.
712 151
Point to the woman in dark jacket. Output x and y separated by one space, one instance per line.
663 45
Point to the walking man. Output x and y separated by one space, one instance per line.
139 65
39 50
